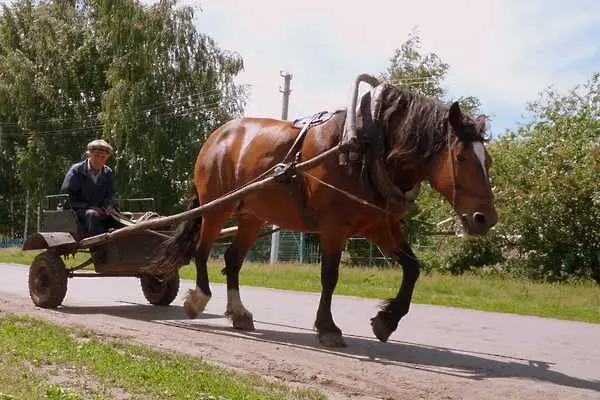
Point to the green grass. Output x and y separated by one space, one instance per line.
579 302
40 360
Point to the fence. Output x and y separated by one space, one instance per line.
294 247
11 242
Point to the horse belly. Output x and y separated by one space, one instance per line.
283 205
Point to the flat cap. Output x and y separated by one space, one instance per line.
100 145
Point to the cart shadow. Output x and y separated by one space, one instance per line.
441 360
141 312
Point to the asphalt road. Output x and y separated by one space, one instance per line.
436 353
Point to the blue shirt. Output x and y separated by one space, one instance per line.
84 191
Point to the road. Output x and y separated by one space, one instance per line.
436 353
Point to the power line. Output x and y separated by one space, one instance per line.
205 96
183 113
144 108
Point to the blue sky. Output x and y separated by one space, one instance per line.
502 51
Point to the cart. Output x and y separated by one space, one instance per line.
125 251
61 235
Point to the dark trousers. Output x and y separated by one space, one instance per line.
93 223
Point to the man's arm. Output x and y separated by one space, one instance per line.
110 191
72 186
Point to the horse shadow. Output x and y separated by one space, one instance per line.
440 360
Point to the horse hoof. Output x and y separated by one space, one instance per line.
380 328
332 339
244 322
195 302
189 310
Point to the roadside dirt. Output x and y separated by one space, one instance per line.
437 352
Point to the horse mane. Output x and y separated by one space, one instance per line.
417 126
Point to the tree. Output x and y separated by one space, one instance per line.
422 73
141 77
169 87
547 175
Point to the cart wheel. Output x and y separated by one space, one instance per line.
47 280
157 292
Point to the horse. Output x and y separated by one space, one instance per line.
391 143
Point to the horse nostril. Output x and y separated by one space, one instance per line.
479 218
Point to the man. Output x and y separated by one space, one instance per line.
90 187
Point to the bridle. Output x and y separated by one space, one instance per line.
455 184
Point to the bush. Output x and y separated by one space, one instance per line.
471 252
547 185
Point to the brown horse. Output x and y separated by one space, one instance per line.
403 138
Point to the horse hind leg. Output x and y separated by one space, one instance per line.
196 299
248 232
331 250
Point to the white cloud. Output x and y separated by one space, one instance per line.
504 52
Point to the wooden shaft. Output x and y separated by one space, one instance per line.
198 211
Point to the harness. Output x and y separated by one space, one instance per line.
305 124
373 169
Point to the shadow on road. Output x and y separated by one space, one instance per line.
441 360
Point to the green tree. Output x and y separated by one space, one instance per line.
422 73
410 69
169 87
141 77
547 174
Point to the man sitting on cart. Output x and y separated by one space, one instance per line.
89 184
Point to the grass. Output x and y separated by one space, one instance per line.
579 302
40 360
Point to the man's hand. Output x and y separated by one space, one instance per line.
99 210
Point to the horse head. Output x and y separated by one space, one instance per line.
460 172
431 140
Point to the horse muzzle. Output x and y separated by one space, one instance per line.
478 223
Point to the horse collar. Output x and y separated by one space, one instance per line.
372 138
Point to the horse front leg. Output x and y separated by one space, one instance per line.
386 320
328 332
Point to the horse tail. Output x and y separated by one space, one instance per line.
178 250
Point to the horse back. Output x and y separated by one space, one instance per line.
240 151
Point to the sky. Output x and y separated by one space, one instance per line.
504 52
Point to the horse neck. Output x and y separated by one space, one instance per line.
438 176
406 176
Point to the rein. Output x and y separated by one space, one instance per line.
453 167
455 184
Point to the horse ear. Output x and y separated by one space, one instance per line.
481 121
455 116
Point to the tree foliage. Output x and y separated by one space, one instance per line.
423 73
143 78
547 178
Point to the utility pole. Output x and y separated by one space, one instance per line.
287 78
